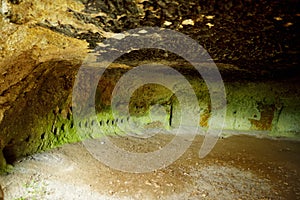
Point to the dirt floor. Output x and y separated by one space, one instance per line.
239 167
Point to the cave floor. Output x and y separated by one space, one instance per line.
239 167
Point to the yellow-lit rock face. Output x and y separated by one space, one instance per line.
25 45
26 35
37 11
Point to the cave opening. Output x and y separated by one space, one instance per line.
144 99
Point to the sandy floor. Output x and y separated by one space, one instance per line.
240 167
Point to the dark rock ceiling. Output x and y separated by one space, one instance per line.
255 35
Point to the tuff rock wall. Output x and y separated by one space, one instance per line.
43 44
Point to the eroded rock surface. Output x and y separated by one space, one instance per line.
43 43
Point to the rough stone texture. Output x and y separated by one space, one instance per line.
249 34
37 71
268 107
43 43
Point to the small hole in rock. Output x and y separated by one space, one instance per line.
69 116
43 136
27 139
55 132
11 142
62 127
